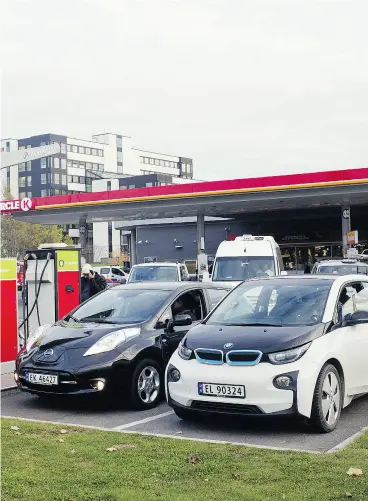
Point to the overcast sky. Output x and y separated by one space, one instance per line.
244 87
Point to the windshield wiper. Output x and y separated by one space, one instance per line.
73 318
97 321
261 324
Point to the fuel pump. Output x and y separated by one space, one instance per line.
51 285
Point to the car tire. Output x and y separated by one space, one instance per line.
327 400
147 375
184 414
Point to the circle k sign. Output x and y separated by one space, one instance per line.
15 205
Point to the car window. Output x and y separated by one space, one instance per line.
105 271
183 273
116 271
190 303
242 268
154 273
216 295
353 297
275 302
343 269
122 306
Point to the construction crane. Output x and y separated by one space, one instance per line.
19 156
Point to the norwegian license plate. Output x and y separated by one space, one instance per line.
221 390
46 379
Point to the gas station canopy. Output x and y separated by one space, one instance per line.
215 198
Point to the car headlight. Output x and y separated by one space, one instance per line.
184 352
36 335
112 340
288 356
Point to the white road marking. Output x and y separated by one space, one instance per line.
142 421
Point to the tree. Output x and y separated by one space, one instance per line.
19 236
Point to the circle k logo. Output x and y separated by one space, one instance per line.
26 204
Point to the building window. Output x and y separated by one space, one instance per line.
56 163
43 193
22 195
29 181
75 149
148 185
131 186
7 146
28 166
29 194
88 165
22 182
63 179
75 164
119 142
146 160
82 165
62 148
100 153
151 161
157 162
69 163
68 147
82 179
63 163
56 178
88 151
43 178
81 149
43 143
120 156
94 152
43 163
21 167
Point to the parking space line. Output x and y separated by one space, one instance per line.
142 421
347 441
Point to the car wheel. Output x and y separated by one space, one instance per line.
147 384
184 414
327 400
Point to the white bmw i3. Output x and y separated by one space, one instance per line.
276 346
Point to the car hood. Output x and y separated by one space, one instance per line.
262 338
78 335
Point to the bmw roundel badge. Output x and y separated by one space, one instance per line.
227 346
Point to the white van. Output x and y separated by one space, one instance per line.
247 257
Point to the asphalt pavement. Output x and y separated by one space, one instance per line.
262 432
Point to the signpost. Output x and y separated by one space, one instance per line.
19 156
352 237
9 309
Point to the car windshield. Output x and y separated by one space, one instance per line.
343 269
121 306
274 302
242 268
151 273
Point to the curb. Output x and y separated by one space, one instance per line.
9 390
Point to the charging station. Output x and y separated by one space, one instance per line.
52 284
9 310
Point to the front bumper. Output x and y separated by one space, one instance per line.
73 382
262 396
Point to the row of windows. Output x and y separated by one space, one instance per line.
63 146
147 185
156 161
85 150
77 179
85 165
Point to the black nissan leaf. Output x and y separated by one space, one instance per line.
116 343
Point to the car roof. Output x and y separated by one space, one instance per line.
316 276
159 264
170 286
342 261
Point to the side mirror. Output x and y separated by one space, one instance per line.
358 317
182 320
